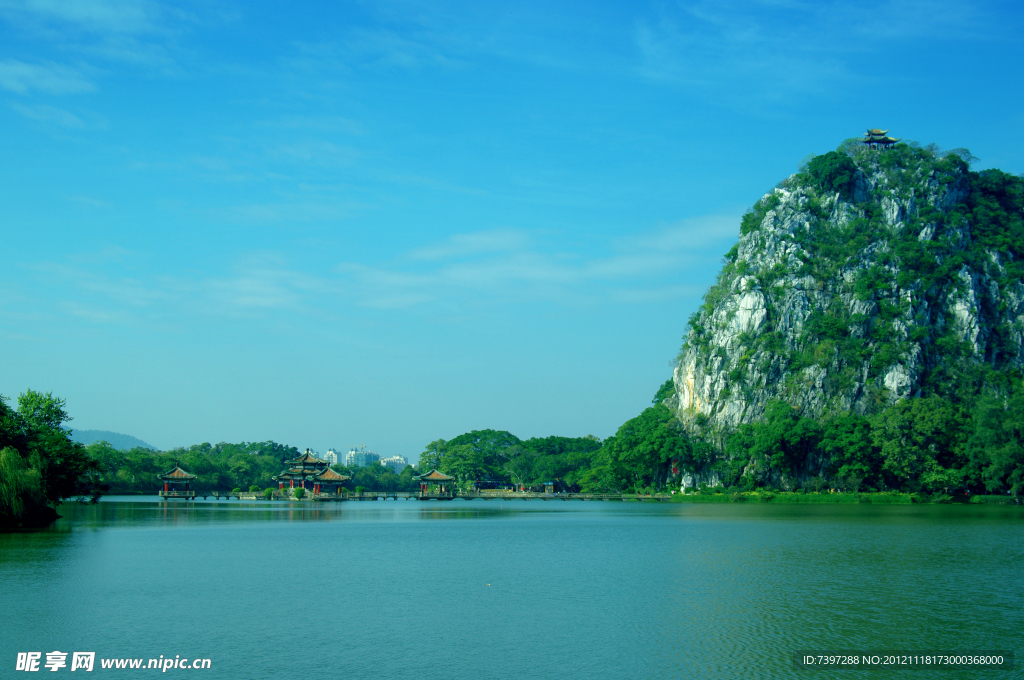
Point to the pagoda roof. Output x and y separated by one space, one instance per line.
305 458
435 476
176 474
330 475
876 136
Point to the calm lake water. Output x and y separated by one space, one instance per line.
522 589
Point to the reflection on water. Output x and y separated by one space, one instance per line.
512 589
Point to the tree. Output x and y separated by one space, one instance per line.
430 459
41 465
782 444
667 389
914 433
996 444
639 453
846 441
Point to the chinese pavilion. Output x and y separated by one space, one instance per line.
176 484
310 473
436 484
877 139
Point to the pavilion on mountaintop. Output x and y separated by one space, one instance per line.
878 139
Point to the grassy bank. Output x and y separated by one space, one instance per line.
879 498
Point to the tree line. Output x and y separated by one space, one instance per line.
928 445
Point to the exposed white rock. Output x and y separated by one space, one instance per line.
758 343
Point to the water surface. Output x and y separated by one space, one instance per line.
513 589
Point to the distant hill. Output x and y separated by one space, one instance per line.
118 441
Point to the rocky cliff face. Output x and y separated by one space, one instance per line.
869 277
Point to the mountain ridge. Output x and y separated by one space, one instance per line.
124 442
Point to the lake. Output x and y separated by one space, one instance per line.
513 589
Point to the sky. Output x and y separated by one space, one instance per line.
386 223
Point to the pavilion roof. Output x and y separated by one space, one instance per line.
876 136
305 458
176 474
435 476
330 475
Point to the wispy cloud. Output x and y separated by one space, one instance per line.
465 271
513 265
90 202
778 48
100 16
375 48
45 113
461 245
22 77
139 32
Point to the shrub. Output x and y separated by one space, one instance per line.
254 488
268 493
833 171
300 493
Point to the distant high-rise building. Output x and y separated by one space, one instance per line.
360 457
395 463
332 457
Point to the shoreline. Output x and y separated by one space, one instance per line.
878 498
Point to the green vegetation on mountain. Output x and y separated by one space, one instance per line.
866 331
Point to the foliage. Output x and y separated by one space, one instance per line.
39 463
666 390
917 438
995 447
299 493
501 457
833 172
639 455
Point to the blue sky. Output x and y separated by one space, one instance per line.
392 222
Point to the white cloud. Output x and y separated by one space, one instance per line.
502 264
745 50
694 232
49 114
493 267
461 245
21 77
91 202
102 16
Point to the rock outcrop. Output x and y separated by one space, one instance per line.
869 277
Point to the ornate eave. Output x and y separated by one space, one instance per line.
330 475
435 476
176 474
